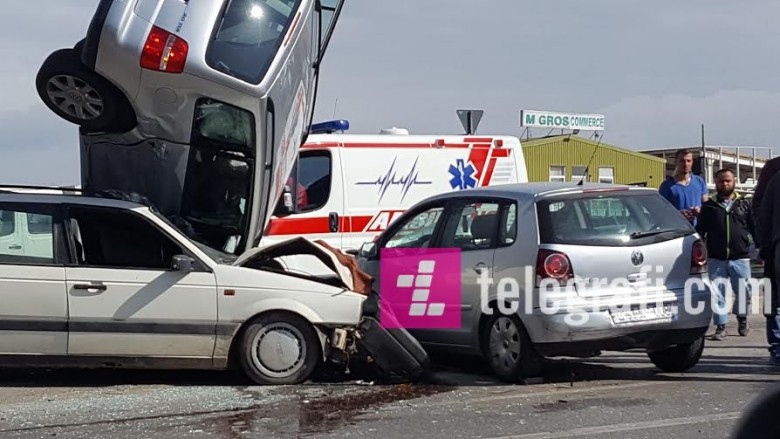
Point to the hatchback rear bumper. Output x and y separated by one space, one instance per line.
602 321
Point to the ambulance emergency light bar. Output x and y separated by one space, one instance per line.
329 127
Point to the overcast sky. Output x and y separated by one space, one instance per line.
656 70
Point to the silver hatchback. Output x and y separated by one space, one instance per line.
596 267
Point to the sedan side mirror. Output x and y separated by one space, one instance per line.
182 263
368 250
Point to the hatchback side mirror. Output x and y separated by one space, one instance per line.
182 263
368 250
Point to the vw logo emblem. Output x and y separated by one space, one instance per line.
637 257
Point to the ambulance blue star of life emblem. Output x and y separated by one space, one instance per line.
462 175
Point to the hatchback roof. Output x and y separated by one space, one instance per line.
534 190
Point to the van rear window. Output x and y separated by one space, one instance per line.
248 36
627 219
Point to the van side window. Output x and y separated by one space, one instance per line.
38 224
31 245
314 178
112 238
7 222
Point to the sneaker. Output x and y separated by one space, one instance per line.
720 333
743 326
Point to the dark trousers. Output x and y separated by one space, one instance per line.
772 271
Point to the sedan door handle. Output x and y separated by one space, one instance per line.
479 267
96 286
15 247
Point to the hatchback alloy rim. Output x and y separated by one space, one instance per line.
504 344
75 97
278 350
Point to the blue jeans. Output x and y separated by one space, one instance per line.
737 275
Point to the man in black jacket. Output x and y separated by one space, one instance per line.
766 208
726 223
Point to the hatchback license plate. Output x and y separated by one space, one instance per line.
666 312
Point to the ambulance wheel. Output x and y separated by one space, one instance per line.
279 348
79 95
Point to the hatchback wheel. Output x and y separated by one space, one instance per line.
678 358
279 348
77 94
509 350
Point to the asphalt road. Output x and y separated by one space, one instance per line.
616 395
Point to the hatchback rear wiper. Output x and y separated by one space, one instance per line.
637 235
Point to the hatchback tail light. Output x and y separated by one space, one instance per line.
698 257
164 52
551 264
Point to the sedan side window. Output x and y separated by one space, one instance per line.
417 232
117 239
33 244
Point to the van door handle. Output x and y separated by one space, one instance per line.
96 286
479 267
333 220
15 247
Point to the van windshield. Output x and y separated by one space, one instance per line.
609 219
249 35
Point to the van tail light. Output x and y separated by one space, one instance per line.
551 264
698 257
164 52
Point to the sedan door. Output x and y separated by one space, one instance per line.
124 298
33 300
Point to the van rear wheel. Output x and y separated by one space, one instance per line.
678 358
79 95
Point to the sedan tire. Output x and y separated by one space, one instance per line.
279 348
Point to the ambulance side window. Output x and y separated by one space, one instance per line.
314 181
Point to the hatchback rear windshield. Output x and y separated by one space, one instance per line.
610 219
249 35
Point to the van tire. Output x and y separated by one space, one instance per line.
288 333
678 358
508 349
79 95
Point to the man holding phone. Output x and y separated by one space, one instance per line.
687 192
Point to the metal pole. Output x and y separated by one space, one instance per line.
739 165
755 180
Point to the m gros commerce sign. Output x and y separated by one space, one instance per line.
564 121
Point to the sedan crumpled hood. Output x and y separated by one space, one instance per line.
346 272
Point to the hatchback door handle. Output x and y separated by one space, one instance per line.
15 247
480 267
96 286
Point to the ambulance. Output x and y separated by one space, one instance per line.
347 188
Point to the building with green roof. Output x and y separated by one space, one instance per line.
566 157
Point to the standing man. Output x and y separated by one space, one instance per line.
687 192
765 202
726 224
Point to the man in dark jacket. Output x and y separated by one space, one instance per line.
726 223
765 203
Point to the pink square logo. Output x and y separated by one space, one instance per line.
420 288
